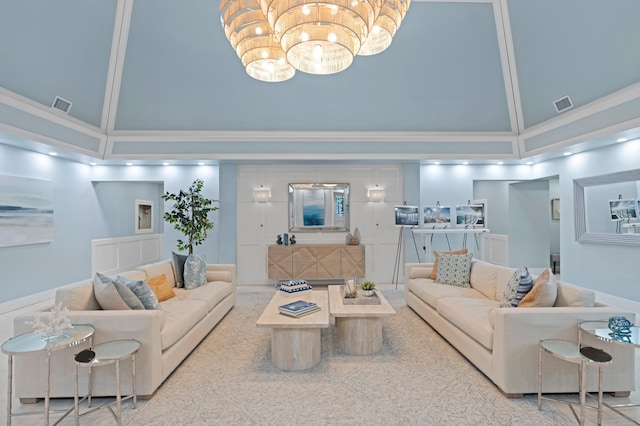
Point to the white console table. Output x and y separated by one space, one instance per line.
429 232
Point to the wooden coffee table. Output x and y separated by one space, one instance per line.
359 327
295 342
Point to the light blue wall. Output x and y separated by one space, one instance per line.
529 224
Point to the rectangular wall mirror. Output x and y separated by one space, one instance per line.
319 207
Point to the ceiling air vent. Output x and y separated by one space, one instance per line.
563 104
61 104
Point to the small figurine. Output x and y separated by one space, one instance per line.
292 239
279 240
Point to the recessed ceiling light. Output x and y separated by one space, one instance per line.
437 163
566 153
200 164
129 164
165 164
623 140
529 163
54 154
500 163
93 164
465 162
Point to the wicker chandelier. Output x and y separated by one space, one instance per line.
273 38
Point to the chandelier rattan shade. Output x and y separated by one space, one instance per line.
274 37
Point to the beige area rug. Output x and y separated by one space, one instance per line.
417 379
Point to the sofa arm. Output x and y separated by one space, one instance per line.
416 270
142 325
222 267
518 331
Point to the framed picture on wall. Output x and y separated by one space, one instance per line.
144 217
623 209
555 208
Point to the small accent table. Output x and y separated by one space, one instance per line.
295 342
108 353
570 352
33 342
359 327
600 329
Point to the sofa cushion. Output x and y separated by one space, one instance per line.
195 271
181 316
161 287
78 297
483 278
470 316
114 296
430 292
211 293
142 290
543 293
434 270
178 268
570 295
163 267
454 269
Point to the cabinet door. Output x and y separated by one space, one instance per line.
280 262
304 262
329 262
353 261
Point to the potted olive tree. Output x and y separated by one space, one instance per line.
190 215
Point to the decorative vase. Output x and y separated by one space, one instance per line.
349 236
368 292
356 235
279 240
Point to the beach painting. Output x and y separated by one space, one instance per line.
26 211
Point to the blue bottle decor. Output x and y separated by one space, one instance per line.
285 239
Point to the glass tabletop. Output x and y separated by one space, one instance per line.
116 349
35 342
566 350
601 330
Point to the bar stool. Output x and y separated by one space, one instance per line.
583 356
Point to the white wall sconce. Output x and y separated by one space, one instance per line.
376 194
261 195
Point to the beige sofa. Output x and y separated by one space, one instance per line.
503 342
167 336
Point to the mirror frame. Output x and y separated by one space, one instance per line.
320 186
579 209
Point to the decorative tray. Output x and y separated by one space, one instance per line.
360 299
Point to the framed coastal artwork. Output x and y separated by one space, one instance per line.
144 217
26 211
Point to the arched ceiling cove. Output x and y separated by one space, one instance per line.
157 79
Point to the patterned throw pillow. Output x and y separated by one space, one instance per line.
178 267
526 282
543 293
436 254
454 269
195 271
142 290
113 296
511 291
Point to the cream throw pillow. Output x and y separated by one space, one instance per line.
543 293
435 262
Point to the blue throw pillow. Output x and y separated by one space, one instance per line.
195 271
526 282
178 267
142 290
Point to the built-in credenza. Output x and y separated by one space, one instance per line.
316 262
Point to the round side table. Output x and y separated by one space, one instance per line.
571 352
108 353
34 342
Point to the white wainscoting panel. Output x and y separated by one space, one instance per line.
113 255
497 249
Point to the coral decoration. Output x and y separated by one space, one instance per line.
53 323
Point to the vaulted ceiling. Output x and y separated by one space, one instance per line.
476 80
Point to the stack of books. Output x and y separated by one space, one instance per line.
298 309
